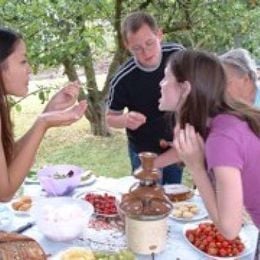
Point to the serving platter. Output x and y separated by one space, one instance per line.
87 178
32 178
199 215
21 213
243 236
23 200
6 217
82 195
83 252
73 253
178 192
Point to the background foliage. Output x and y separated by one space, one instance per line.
79 33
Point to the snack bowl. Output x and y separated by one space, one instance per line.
60 180
61 218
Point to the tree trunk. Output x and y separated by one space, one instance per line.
95 98
120 54
70 70
96 103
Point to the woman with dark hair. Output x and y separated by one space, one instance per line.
16 157
225 169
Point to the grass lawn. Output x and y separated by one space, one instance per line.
106 156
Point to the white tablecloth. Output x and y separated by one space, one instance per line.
176 248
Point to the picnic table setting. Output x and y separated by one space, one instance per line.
66 212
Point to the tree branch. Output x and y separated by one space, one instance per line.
145 4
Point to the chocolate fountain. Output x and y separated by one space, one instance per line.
146 208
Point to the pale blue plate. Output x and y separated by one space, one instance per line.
6 217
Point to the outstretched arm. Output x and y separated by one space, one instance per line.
170 156
167 158
12 176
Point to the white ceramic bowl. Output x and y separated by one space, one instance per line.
61 218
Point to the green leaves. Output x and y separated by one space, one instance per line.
41 96
85 32
18 107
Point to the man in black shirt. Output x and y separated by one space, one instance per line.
135 86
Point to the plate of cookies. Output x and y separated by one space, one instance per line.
22 205
188 211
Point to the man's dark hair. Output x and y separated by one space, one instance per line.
134 21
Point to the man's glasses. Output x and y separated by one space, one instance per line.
149 45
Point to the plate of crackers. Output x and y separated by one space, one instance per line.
188 211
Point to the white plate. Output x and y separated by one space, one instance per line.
6 217
60 254
82 194
32 180
248 247
90 180
20 212
202 213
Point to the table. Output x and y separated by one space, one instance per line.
176 248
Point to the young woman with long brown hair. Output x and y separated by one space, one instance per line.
218 138
16 157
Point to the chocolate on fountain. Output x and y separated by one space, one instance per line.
153 207
148 198
147 173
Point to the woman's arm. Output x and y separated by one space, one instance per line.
11 177
225 204
62 100
166 158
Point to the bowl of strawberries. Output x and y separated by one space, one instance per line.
104 202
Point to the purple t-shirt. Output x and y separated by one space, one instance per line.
232 143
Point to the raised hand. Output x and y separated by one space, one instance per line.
190 148
63 117
134 120
64 98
